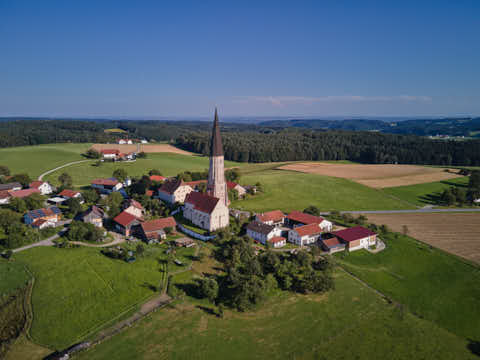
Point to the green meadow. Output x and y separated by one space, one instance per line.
13 275
350 322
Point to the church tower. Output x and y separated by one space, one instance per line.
216 185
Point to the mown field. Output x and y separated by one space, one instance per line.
12 276
287 190
351 322
34 160
78 290
431 283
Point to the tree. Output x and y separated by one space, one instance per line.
232 175
90 196
142 155
74 206
34 201
474 182
120 174
168 230
209 289
4 170
202 187
65 180
113 201
23 179
93 154
18 205
140 249
405 230
80 231
312 210
155 172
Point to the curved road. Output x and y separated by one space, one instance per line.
60 167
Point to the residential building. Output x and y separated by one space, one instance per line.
94 215
356 237
174 190
24 193
69 194
205 211
305 235
275 217
106 186
43 223
239 188
44 187
4 197
133 207
13 186
157 178
277 241
154 230
262 232
52 214
297 218
112 154
126 222
332 245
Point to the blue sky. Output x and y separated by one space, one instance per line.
266 58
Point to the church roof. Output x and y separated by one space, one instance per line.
202 202
216 147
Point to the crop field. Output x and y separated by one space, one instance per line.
352 319
288 190
376 176
457 233
35 160
148 148
78 290
437 286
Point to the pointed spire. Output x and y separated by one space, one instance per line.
216 147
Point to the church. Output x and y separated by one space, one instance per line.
209 211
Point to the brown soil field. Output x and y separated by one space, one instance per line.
457 233
376 176
148 148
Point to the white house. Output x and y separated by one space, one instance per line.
356 237
239 188
205 211
122 142
144 141
297 218
278 241
304 235
133 207
275 217
4 197
174 190
44 187
69 194
110 153
106 186
262 232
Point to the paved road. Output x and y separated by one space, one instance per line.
418 211
48 241
118 239
57 168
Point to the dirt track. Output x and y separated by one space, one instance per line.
376 176
148 148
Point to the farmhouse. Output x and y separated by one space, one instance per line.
262 232
278 241
239 188
51 214
154 230
24 193
174 190
275 217
356 237
304 235
133 207
14 186
124 222
110 153
205 211
44 187
70 194
4 197
94 215
106 186
42 224
332 245
297 218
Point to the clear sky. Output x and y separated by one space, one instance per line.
181 58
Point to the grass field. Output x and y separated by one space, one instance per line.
457 233
351 322
35 160
78 290
425 194
435 285
12 276
287 190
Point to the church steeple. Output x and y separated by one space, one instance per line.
216 185
216 147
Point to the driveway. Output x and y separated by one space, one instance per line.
60 167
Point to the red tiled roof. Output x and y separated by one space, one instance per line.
39 222
157 178
35 184
149 193
158 224
275 215
110 151
171 186
68 193
134 203
332 242
304 218
202 202
231 185
277 239
24 193
4 194
108 182
310 229
353 233
125 219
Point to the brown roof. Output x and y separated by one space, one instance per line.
231 185
36 184
10 186
68 193
110 151
260 228
125 219
157 178
332 242
158 224
277 239
216 147
39 222
170 186
24 193
108 182
134 203
4 194
94 210
304 218
202 202
275 215
353 233
310 229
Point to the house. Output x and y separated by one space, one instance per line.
332 245
149 193
278 241
56 200
52 214
94 215
122 141
275 217
127 156
155 229
42 224
44 187
24 193
133 207
14 186
262 232
174 190
4 197
106 186
125 222
297 218
205 211
306 234
356 237
144 141
110 153
234 186
185 242
157 178
70 194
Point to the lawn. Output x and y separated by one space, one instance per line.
351 322
287 190
431 283
168 164
425 194
12 276
35 160
78 290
